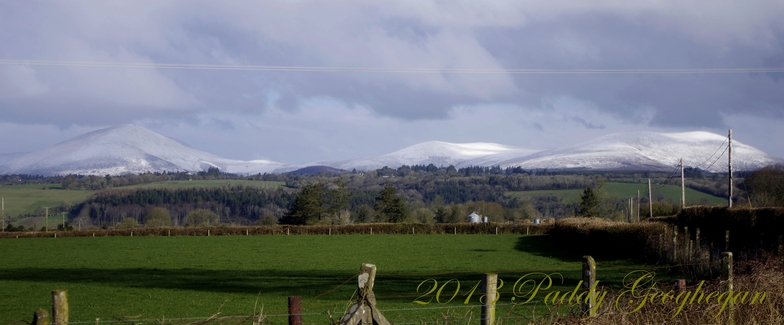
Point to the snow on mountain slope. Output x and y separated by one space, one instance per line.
438 153
648 150
134 149
122 150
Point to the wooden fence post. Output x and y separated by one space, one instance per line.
686 244
726 274
680 285
489 285
675 244
295 310
781 245
59 307
40 317
727 241
589 279
364 311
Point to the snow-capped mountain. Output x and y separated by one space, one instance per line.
134 149
648 151
122 150
438 153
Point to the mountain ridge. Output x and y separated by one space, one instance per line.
134 149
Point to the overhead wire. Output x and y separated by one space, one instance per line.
714 153
285 68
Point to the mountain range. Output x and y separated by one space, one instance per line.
134 149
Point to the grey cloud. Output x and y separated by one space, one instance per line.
537 35
588 125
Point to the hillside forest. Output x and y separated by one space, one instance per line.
418 194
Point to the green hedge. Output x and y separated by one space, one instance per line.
750 229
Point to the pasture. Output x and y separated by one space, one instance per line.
628 190
26 199
123 278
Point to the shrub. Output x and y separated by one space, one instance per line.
200 218
157 217
127 223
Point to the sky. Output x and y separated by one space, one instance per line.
302 81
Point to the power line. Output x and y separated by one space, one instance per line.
717 159
714 153
283 68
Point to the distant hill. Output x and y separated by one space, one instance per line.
131 149
122 150
315 170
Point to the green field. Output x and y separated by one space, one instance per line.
26 199
21 199
628 190
178 277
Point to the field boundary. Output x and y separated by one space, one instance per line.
368 229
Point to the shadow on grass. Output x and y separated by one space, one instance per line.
270 282
547 246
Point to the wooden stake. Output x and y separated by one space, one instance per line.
726 274
489 285
675 244
727 241
59 307
589 280
40 317
295 310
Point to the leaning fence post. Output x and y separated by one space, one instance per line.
489 285
59 307
589 279
364 311
726 274
295 310
40 317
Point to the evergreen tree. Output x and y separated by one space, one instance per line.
390 207
308 207
589 202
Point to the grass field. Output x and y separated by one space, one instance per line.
627 190
177 277
21 199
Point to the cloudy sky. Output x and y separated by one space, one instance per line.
352 79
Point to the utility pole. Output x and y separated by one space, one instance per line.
638 205
64 221
683 188
46 226
650 199
729 154
3 203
